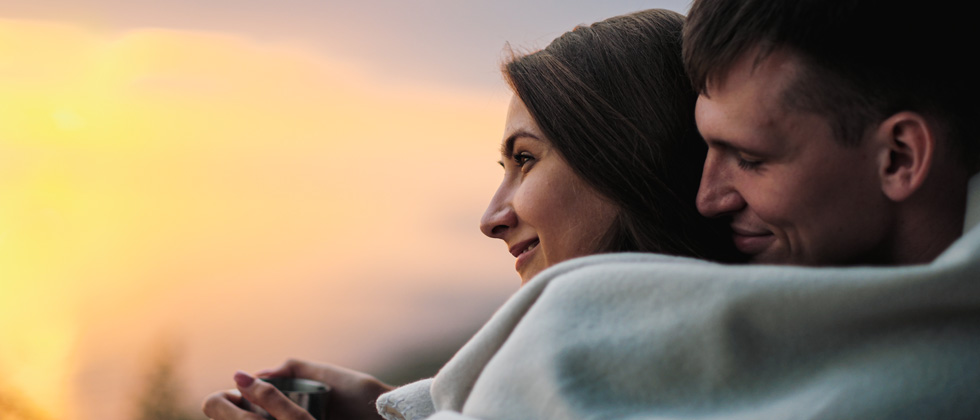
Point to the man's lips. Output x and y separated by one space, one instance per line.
751 241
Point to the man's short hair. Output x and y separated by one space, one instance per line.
862 60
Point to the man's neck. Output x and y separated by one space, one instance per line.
930 223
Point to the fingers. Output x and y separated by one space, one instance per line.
295 368
223 405
264 395
287 369
335 376
352 393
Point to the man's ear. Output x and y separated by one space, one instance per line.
908 149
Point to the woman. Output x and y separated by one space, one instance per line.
600 154
612 105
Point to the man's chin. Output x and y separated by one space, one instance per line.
755 246
773 257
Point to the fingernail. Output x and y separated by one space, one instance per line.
243 379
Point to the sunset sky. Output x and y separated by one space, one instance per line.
252 180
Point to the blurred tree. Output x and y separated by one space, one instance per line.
423 360
14 406
162 397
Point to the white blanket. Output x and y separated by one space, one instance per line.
653 337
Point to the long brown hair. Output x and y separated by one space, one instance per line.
614 100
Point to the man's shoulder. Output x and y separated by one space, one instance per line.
687 331
634 272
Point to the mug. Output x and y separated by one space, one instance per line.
308 394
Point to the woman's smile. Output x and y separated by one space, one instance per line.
524 251
543 210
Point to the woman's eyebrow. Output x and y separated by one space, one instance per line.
507 148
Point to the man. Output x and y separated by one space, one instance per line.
839 132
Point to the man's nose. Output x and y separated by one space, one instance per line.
499 216
718 195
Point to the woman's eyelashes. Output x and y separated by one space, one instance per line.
523 160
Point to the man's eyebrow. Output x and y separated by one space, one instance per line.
712 141
730 146
718 142
507 148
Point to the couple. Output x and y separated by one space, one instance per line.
837 136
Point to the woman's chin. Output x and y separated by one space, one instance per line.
529 274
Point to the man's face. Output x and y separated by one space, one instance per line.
793 193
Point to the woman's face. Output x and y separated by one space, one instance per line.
543 211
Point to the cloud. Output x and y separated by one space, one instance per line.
156 178
428 42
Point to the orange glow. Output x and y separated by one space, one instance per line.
162 179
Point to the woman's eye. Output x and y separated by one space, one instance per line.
523 158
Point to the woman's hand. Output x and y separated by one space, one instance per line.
225 405
352 394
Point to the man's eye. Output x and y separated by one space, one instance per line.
748 164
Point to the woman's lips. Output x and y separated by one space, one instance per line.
524 252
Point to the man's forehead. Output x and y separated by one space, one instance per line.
748 106
736 122
774 66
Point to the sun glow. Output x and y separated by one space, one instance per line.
156 163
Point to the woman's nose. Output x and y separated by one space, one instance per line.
499 216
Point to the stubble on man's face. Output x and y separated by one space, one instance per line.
793 193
